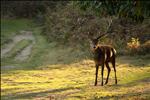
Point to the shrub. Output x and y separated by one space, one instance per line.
68 24
135 47
134 44
144 48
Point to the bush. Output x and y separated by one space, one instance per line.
134 44
68 24
144 49
135 47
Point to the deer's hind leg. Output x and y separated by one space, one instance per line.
108 69
96 74
102 73
114 66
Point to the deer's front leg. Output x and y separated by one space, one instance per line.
96 74
102 72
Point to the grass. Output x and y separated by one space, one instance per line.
19 47
62 72
11 27
9 60
75 81
44 53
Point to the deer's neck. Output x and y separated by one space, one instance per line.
98 51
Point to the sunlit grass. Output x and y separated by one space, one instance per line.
74 80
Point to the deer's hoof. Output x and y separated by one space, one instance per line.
95 84
115 82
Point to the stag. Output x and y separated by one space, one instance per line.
103 55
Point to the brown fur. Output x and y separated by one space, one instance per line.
103 54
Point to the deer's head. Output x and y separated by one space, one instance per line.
94 41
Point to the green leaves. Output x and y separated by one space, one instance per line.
135 10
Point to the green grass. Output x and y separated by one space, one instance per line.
44 53
19 47
11 27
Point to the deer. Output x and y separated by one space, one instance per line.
103 55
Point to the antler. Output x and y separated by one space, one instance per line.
100 36
108 28
109 25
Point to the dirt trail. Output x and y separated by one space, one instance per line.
25 52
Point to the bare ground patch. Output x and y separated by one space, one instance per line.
23 54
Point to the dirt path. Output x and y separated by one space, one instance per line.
25 52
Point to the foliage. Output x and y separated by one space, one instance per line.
134 44
27 9
136 48
144 48
68 24
136 10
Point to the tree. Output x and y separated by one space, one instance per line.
135 10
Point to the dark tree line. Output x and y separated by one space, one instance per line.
137 10
134 9
28 9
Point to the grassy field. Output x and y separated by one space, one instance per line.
61 72
11 27
76 80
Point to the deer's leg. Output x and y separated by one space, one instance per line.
96 74
114 66
108 68
102 72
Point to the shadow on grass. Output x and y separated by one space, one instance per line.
133 83
127 96
31 95
130 95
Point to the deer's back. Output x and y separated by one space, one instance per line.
104 53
